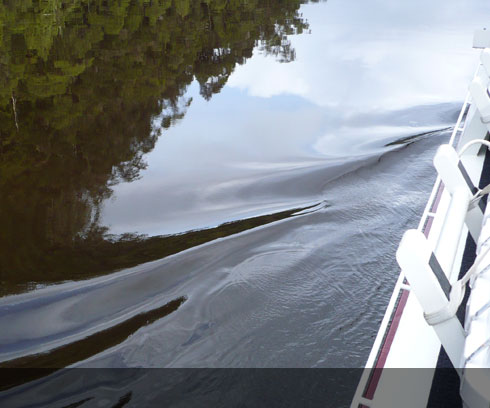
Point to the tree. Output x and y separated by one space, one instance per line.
81 83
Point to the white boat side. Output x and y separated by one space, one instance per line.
405 339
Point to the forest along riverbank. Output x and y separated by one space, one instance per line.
90 87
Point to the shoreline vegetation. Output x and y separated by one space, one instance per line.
81 87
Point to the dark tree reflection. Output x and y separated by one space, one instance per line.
81 82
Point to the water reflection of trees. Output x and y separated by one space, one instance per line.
81 83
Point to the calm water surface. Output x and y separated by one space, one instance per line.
215 184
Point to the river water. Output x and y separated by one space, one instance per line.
189 184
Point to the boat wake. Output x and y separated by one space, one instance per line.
256 269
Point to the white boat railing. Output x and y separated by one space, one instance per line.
428 262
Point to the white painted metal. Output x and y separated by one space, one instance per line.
473 126
475 391
446 161
413 256
474 142
415 343
398 395
481 39
478 90
485 60
451 230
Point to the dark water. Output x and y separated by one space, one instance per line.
215 184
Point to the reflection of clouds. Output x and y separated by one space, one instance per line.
371 72
238 157
261 81
377 54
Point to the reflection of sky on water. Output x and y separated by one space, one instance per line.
369 55
232 157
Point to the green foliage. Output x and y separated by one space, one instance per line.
80 84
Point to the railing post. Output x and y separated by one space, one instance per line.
485 60
431 287
455 177
481 39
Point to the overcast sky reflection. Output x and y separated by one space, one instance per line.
370 72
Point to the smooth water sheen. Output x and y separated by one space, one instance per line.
189 184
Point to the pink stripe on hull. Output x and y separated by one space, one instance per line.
385 348
428 225
437 200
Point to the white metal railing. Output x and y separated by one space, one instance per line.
428 278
